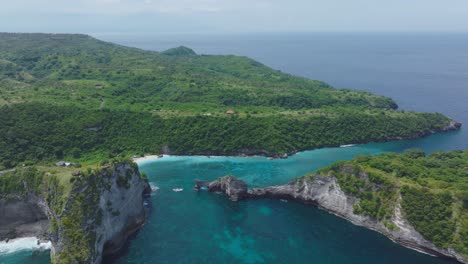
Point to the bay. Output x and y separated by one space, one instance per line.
422 72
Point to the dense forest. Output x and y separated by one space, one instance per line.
36 132
432 191
75 97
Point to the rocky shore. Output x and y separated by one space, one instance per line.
325 193
23 217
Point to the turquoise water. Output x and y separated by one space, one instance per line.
423 72
25 257
201 227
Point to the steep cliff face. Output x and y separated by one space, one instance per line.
103 210
326 193
104 207
23 217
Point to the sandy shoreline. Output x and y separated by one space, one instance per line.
148 158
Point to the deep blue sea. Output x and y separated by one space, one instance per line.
422 72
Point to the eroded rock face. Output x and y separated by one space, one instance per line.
96 218
115 229
23 217
115 210
325 192
234 188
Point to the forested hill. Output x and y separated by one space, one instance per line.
76 97
432 191
73 65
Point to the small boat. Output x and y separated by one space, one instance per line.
283 200
177 189
347 145
270 158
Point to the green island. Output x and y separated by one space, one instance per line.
96 104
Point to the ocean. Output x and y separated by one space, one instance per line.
420 71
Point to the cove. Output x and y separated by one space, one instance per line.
187 227
198 227
191 227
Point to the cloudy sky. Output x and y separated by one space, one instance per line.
201 16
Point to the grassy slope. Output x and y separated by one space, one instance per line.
433 189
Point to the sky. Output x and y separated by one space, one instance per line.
227 16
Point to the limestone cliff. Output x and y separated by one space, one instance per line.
104 208
23 217
95 218
326 193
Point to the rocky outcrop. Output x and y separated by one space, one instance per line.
453 125
234 188
325 193
116 228
95 219
23 217
113 209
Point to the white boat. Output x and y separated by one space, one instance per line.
177 189
348 145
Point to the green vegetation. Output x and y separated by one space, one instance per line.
180 51
433 191
36 132
430 213
77 98
80 70
73 199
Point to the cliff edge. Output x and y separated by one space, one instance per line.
94 218
327 193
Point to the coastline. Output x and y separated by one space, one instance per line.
326 194
451 127
147 158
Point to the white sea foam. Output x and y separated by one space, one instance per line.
20 244
153 187
347 145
